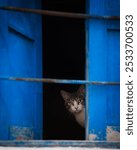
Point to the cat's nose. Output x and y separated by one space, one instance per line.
76 108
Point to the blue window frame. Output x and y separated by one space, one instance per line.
102 73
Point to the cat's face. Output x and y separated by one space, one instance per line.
74 102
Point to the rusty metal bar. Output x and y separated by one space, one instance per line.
58 13
59 81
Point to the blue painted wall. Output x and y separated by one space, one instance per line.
103 52
20 56
21 53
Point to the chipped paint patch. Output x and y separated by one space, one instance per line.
92 137
113 133
21 133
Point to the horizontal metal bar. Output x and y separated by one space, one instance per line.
58 13
59 81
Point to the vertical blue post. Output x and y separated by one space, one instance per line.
101 64
20 56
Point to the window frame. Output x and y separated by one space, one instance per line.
86 82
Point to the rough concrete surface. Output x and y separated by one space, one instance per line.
53 148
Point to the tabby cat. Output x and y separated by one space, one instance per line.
74 103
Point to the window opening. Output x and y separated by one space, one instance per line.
63 58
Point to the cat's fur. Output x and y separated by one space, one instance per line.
74 103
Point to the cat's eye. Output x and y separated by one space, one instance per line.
68 103
72 104
79 101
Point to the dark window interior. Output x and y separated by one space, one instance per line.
63 58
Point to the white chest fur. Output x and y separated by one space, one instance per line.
80 117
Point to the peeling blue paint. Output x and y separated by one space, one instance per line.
21 133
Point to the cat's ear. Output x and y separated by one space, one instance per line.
65 95
81 90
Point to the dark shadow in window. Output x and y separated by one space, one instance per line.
63 58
